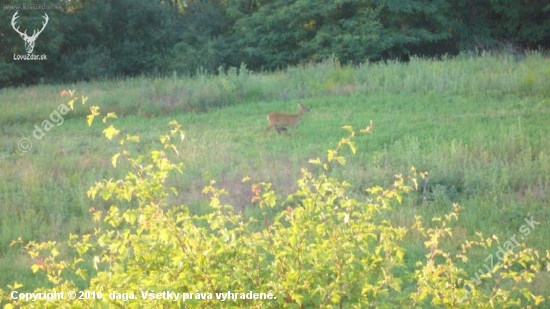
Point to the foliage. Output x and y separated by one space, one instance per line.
353 31
325 248
141 34
87 40
206 41
92 39
504 24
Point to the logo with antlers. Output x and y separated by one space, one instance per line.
29 40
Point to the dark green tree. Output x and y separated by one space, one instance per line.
281 33
496 24
206 38
140 34
86 52
91 39
119 38
417 27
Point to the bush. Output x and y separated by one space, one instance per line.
323 249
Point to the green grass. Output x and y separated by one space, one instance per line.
478 125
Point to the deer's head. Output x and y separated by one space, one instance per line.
29 40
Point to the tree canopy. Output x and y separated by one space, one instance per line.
91 39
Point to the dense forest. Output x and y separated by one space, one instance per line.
97 39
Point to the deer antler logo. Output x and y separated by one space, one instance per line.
29 40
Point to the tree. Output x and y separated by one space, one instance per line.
495 24
206 41
140 34
282 33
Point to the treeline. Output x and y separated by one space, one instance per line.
95 39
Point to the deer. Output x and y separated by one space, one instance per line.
280 122
29 40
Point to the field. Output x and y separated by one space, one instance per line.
478 124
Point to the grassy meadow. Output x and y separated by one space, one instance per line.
480 125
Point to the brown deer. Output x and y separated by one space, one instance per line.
280 122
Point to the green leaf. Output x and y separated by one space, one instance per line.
71 104
348 128
330 155
114 159
15 286
111 132
105 195
396 284
156 155
132 138
94 111
90 119
35 268
315 161
352 147
109 115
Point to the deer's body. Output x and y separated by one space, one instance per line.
280 122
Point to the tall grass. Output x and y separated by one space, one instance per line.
478 125
486 75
